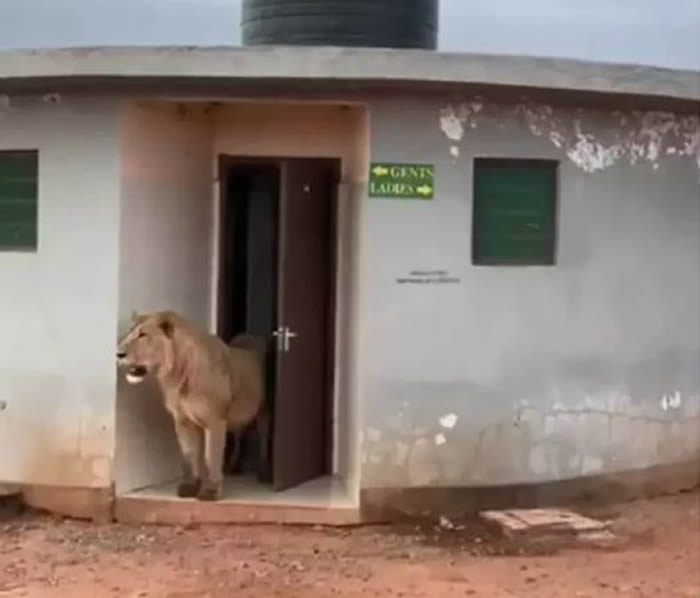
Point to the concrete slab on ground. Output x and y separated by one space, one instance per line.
519 522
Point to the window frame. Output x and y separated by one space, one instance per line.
34 247
528 163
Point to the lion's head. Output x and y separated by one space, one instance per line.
147 346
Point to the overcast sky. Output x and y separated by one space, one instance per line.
657 32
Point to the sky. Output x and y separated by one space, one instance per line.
654 32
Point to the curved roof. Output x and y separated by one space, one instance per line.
348 66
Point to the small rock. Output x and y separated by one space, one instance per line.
446 524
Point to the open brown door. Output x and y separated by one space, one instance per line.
303 386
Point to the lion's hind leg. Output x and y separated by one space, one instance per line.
230 452
235 452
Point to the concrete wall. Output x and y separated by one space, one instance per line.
165 249
518 375
509 375
318 130
58 305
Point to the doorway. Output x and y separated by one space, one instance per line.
277 269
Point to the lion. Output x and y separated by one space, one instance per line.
208 388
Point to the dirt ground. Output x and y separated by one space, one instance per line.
46 557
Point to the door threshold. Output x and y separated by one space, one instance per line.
324 501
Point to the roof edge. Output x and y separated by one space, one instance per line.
359 65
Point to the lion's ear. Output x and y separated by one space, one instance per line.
166 325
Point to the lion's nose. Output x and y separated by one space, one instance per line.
121 355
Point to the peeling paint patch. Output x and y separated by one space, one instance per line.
633 135
590 155
449 421
671 401
451 125
454 151
440 439
592 140
454 120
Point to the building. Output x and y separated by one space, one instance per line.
507 308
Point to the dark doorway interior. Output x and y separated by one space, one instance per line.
277 265
247 290
249 225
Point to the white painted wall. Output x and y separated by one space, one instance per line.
165 256
127 205
546 373
587 367
58 306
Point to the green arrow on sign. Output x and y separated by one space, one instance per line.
380 170
424 190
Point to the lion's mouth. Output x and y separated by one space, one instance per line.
136 374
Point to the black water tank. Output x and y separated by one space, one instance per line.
365 23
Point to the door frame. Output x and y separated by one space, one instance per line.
224 163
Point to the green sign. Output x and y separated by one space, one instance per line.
401 181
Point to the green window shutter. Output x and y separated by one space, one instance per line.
18 200
514 217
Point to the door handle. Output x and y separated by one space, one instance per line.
288 334
283 334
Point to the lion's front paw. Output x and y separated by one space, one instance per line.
209 492
189 488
